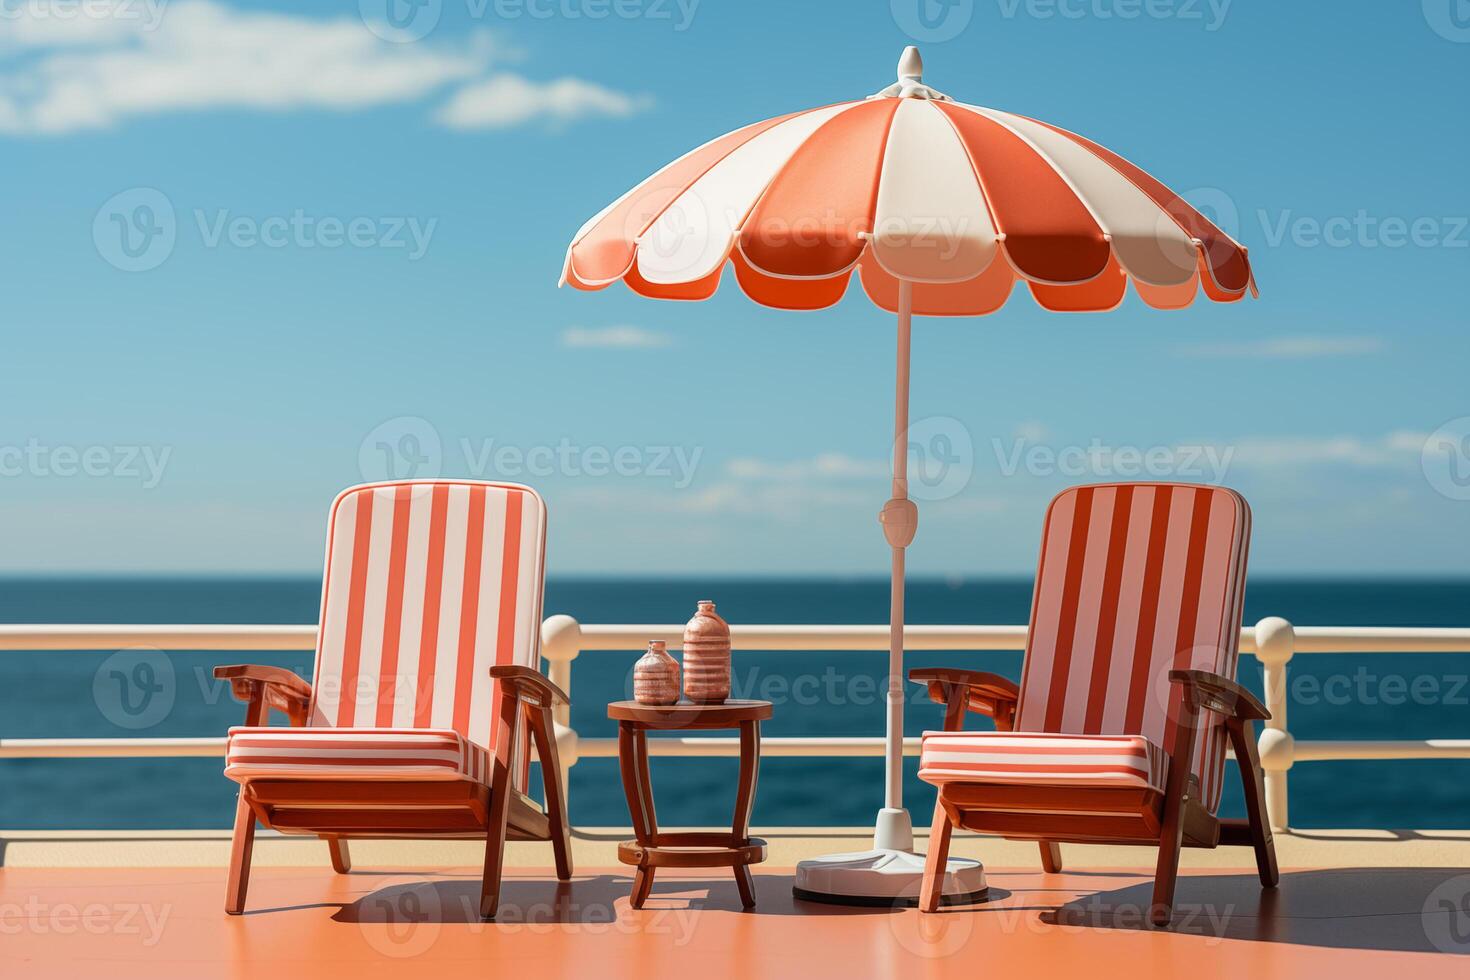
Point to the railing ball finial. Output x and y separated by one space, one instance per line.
1275 641
561 639
1277 749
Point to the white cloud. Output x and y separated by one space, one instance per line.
790 490
612 337
788 502
134 58
510 100
58 23
1393 449
1282 348
823 466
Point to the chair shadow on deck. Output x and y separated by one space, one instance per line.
591 900
1392 909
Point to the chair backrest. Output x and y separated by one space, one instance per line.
1135 580
428 583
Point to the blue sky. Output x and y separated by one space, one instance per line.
358 241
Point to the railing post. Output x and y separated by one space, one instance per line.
1275 645
561 642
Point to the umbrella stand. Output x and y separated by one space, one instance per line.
891 872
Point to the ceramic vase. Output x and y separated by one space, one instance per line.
656 676
707 656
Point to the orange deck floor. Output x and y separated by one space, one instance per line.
161 923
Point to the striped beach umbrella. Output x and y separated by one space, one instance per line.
940 208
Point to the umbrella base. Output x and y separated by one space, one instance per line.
884 877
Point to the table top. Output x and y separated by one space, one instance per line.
686 714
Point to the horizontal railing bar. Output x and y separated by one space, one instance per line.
798 638
116 637
1429 748
812 638
804 746
1381 639
110 748
603 748
861 746
596 748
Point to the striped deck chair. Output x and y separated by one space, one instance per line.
426 686
1118 729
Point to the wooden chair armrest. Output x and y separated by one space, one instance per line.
989 685
264 687
529 685
1220 695
975 690
288 681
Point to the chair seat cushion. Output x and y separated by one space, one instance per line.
353 753
1042 759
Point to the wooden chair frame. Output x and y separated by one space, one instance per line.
337 810
1171 819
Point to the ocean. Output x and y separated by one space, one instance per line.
46 694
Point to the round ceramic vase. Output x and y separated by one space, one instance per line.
656 676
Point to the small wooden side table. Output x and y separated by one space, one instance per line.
650 849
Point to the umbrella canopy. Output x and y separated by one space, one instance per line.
960 200
941 208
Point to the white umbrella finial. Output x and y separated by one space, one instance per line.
910 84
910 65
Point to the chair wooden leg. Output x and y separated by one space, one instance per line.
241 845
1255 803
1171 833
1051 856
341 856
500 790
1166 874
556 798
494 855
939 833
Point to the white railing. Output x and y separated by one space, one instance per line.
1273 641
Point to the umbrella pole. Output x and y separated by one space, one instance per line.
900 518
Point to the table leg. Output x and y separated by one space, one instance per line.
633 761
750 757
642 885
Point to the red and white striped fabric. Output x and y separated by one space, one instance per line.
960 200
357 753
1031 758
428 584
1135 580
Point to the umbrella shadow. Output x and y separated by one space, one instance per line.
589 900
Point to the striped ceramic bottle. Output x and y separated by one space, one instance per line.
707 656
656 676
